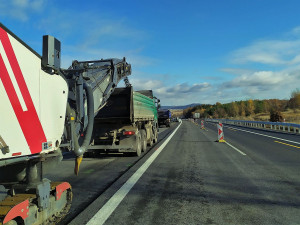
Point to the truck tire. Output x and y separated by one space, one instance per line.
155 136
150 141
144 140
138 145
12 222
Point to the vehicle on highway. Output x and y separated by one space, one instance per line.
127 123
175 119
164 117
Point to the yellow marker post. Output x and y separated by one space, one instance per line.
78 161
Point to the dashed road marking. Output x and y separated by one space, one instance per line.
295 142
242 153
231 129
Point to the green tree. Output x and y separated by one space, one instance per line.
259 106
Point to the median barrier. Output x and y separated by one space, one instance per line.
278 126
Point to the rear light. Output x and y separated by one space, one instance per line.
128 133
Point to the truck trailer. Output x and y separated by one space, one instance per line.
164 117
127 123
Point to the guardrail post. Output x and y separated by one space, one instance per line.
264 125
289 129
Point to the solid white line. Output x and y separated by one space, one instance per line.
104 213
235 148
12 77
268 136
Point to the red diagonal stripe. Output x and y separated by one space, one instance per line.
29 120
220 131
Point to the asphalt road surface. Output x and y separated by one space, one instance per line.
189 178
196 180
96 174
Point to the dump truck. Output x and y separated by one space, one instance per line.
164 117
127 123
45 110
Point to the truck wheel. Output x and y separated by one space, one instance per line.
138 145
150 142
12 222
155 136
144 140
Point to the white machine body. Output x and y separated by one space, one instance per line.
32 102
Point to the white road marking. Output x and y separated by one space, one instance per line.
12 77
295 142
104 213
235 148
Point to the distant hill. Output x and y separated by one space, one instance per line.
180 107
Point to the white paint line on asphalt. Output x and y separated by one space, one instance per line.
235 148
104 213
295 142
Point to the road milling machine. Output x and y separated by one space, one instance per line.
45 110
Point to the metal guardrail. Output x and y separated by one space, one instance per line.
288 127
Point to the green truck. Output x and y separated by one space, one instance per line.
127 123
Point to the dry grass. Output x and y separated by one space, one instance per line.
290 116
176 112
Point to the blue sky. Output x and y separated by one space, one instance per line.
186 51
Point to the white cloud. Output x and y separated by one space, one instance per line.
259 79
70 53
94 35
263 84
21 9
270 52
178 94
145 84
281 60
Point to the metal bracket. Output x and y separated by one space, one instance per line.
43 194
3 146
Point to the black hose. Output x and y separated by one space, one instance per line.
79 149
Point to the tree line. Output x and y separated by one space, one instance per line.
246 108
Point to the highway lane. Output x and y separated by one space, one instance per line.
196 180
96 175
281 155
